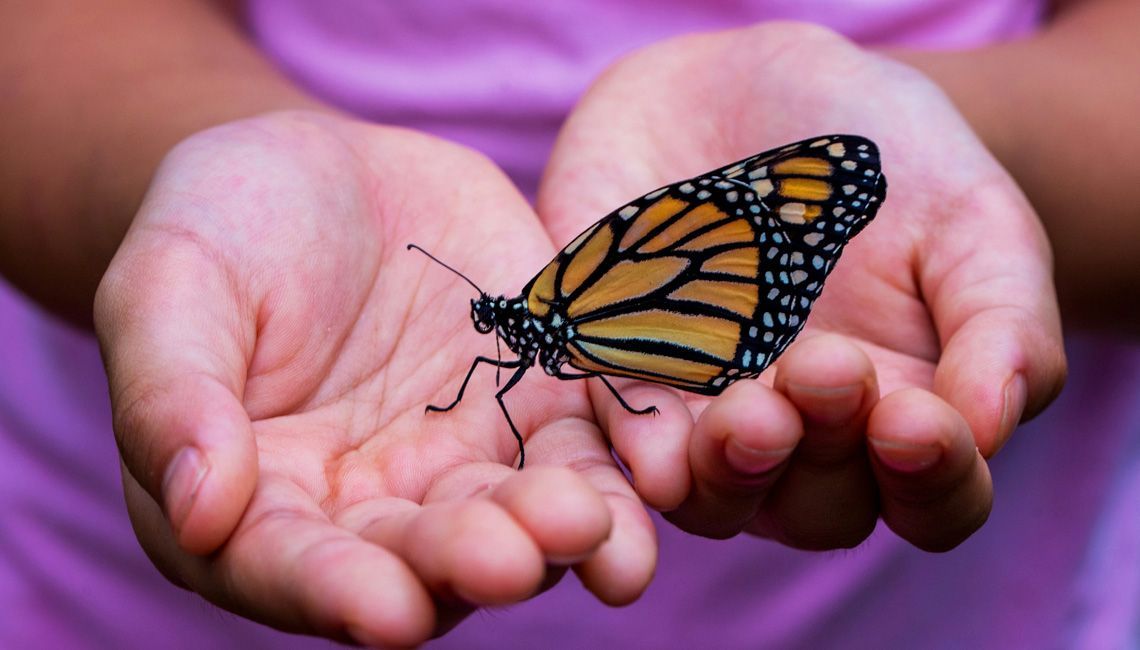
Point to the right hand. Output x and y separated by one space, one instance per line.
945 303
271 347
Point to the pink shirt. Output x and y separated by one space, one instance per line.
1057 565
500 75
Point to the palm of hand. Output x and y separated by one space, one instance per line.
322 339
948 292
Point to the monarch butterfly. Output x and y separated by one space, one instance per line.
694 285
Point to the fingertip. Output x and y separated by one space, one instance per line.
206 494
294 570
472 549
384 605
740 444
829 379
561 511
190 444
999 369
746 431
935 487
653 446
624 565
912 416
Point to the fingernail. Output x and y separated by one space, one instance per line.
180 484
1016 393
904 457
829 403
753 461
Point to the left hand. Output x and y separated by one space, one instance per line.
270 347
945 304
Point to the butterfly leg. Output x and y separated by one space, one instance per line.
478 360
499 397
645 411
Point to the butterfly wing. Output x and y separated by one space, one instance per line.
706 281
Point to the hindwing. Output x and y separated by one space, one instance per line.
706 281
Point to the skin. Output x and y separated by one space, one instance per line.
288 407
267 389
1061 105
973 341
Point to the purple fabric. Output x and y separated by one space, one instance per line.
500 76
72 574
1057 565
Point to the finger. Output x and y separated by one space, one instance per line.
175 363
622 567
384 522
559 509
826 498
653 446
287 566
618 571
741 443
486 534
464 547
935 487
1003 359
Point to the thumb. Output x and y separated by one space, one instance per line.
993 301
169 330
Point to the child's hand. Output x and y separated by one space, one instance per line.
945 302
271 347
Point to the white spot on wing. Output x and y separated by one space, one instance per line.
764 187
793 212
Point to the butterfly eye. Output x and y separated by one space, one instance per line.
483 315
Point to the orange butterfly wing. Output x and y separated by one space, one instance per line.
706 281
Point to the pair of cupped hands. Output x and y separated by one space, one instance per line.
271 346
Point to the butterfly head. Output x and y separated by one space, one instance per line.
484 314
483 311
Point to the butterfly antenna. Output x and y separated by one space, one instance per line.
436 260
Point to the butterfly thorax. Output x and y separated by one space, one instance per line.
533 339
